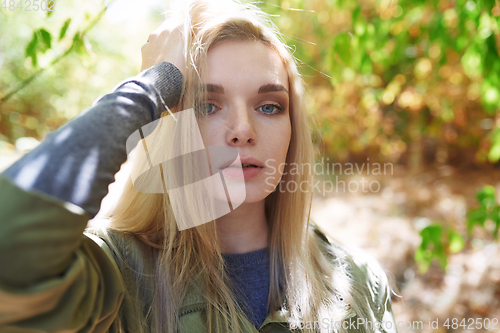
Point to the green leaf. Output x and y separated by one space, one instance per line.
434 232
78 44
359 27
494 153
355 13
31 49
489 209
342 47
366 65
359 23
476 216
431 248
490 95
486 196
422 257
495 216
456 242
64 28
472 62
46 39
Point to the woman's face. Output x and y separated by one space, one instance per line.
248 109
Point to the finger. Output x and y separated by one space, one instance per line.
162 30
144 48
152 36
166 27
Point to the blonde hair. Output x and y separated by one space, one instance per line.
302 281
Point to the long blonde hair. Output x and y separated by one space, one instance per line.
302 281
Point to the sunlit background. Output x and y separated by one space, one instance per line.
413 85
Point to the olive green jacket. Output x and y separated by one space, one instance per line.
55 276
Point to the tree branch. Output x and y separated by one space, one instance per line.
26 82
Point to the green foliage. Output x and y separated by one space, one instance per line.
404 78
64 28
494 153
398 79
40 43
488 210
32 48
55 64
78 44
437 243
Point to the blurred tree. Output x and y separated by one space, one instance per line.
54 64
404 81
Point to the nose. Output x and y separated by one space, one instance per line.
241 129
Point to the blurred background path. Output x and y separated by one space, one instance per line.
386 224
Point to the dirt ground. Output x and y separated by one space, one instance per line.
386 224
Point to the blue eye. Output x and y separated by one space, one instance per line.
270 109
208 108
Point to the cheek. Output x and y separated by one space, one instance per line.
278 148
208 132
283 135
277 142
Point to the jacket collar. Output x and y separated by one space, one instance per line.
194 299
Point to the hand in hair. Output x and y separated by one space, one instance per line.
164 44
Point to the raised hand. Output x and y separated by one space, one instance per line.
165 44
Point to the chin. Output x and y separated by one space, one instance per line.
257 193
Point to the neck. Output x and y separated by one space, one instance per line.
243 230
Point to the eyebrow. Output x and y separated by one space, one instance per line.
270 87
214 88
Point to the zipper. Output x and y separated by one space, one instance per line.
192 310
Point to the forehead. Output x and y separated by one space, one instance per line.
245 65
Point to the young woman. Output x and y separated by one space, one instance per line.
263 266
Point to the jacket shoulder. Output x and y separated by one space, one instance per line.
135 261
368 278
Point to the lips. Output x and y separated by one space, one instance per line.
250 161
237 172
